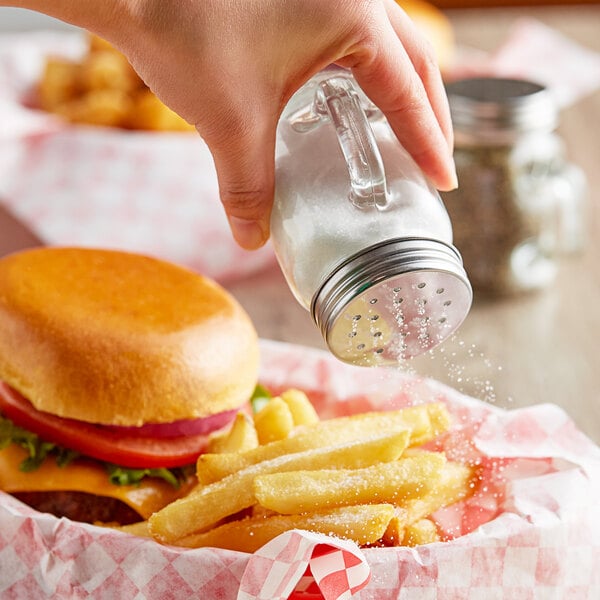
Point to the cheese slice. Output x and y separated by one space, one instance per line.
85 476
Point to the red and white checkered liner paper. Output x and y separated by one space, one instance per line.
530 531
154 193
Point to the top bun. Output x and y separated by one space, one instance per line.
122 339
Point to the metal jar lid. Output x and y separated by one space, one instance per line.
392 301
488 106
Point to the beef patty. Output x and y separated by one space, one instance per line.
80 506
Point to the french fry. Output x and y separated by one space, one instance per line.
274 421
108 108
303 412
420 532
452 486
108 70
394 533
58 83
293 492
424 421
208 504
150 113
363 477
240 438
364 524
260 511
98 44
140 529
439 421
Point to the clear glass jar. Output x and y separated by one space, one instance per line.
353 212
519 204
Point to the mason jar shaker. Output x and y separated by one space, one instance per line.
361 235
520 204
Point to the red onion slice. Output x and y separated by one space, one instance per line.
201 426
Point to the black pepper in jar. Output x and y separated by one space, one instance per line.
506 214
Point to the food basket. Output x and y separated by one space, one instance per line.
80 185
530 530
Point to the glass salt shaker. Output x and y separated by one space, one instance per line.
361 235
519 205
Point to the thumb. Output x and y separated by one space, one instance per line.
244 156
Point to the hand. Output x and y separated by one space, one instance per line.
230 66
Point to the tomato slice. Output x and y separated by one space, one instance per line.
120 447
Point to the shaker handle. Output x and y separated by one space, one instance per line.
338 99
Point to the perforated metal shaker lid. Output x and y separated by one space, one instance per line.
392 301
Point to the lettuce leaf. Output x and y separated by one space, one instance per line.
128 476
36 448
39 450
260 397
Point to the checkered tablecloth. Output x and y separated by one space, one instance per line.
531 531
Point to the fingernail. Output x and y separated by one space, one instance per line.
447 181
453 177
248 234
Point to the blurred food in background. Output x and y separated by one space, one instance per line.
103 89
435 26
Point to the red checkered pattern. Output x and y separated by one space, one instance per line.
307 588
532 529
305 566
141 192
336 571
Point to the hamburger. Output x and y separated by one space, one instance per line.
115 369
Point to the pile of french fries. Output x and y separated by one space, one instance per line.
363 477
103 89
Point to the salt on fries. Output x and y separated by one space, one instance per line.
361 477
425 422
365 524
294 492
452 485
208 504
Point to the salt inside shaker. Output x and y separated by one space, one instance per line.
361 235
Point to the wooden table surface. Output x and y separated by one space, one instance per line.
520 351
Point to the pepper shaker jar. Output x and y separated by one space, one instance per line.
520 204
362 237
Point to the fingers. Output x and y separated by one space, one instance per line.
244 153
392 63
422 57
410 94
